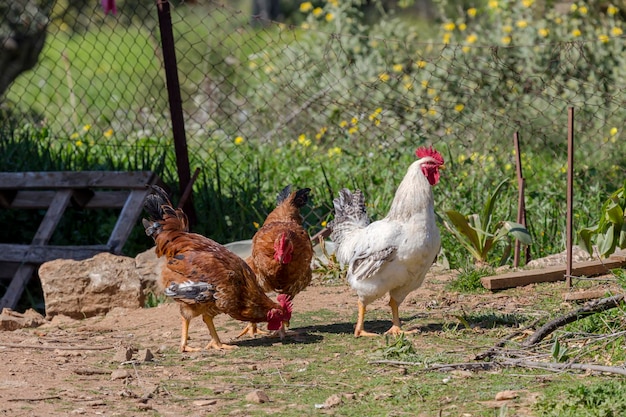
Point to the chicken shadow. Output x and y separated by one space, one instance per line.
293 337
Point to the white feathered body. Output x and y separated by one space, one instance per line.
391 255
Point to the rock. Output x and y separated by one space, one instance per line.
257 396
91 287
506 395
12 320
332 401
122 354
204 403
120 374
149 267
144 355
578 255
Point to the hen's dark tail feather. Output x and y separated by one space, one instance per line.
299 200
159 207
350 214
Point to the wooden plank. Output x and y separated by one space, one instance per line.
127 220
7 270
42 236
550 274
16 287
39 254
42 200
76 179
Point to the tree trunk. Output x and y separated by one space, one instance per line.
23 28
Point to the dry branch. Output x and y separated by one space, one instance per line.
553 366
588 309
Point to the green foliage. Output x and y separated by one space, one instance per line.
468 279
601 399
398 348
610 232
478 233
560 353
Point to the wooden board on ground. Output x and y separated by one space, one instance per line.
553 273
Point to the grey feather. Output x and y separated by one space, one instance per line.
200 292
350 214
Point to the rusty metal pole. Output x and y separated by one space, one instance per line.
520 195
570 195
176 104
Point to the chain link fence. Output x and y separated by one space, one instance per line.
324 100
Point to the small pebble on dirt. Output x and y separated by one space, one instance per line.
204 403
506 395
120 374
257 396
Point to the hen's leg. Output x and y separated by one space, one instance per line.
215 342
252 330
395 329
358 330
184 335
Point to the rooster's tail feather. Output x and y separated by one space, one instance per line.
350 214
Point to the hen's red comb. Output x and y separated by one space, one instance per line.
285 303
424 151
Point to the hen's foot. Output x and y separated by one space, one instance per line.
185 348
219 346
252 330
397 331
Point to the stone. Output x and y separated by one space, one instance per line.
120 374
144 355
506 395
149 268
257 396
122 354
12 320
91 287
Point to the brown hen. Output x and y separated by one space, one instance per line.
282 250
204 277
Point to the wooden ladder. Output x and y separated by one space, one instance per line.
55 191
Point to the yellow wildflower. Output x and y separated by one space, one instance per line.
603 38
527 3
615 31
582 10
613 131
305 26
302 140
376 122
612 10
471 38
493 4
74 135
329 17
255 224
543 32
521 24
461 158
408 85
332 152
343 123
424 83
238 140
506 40
507 167
398 67
79 143
446 37
576 33
354 121
507 29
86 128
471 12
432 112
306 7
108 133
420 64
462 27
465 49
573 7
353 130
324 223
449 26
317 11
558 20
384 77
459 107
334 3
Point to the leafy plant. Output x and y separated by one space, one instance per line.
468 280
610 232
478 233
559 352
599 399
398 348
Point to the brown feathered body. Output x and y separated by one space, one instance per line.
281 248
203 276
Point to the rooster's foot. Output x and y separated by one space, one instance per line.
397 331
252 330
361 332
185 348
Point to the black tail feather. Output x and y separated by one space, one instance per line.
300 199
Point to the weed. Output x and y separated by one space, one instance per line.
468 280
604 399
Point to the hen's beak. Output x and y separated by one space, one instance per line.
286 324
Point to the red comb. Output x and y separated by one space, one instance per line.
424 151
285 303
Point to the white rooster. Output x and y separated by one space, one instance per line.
391 255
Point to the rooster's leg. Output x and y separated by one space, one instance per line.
252 330
358 330
395 329
215 342
185 335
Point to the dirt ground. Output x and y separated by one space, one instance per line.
74 367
